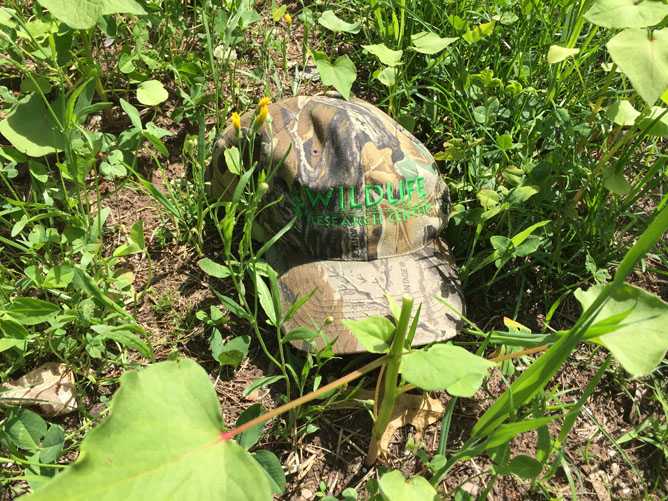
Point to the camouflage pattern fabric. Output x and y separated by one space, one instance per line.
368 205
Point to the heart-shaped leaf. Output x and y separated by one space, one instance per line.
386 76
374 333
394 487
556 53
639 341
626 13
427 42
643 58
340 74
656 122
333 23
162 439
386 55
32 130
445 367
151 93
83 15
622 113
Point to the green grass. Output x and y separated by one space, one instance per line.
549 192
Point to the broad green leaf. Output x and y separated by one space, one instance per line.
622 113
214 269
374 333
233 160
25 429
135 243
445 367
333 23
341 74
151 93
14 335
643 58
52 444
504 141
59 277
521 194
384 54
529 246
278 13
614 180
479 32
557 54
626 13
273 469
163 439
132 113
524 467
488 198
30 311
386 76
266 301
300 334
6 17
82 15
394 487
234 307
656 122
524 234
640 341
231 352
110 7
249 438
124 337
32 129
427 42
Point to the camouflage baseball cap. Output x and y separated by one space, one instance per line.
368 206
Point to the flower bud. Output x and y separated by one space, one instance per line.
236 121
288 19
261 116
262 188
329 320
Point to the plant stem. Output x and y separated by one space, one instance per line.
306 398
390 392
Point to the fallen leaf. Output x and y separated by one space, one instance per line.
419 411
597 480
50 386
257 394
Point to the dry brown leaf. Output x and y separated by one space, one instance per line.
50 387
420 411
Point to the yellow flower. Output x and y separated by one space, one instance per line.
262 114
265 101
288 19
236 121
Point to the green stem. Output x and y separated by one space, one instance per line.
390 386
306 398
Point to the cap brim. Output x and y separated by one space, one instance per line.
352 290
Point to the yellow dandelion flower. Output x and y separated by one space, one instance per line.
288 19
265 101
236 121
262 114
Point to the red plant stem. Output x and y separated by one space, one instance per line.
304 399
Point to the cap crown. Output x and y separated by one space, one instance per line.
360 186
